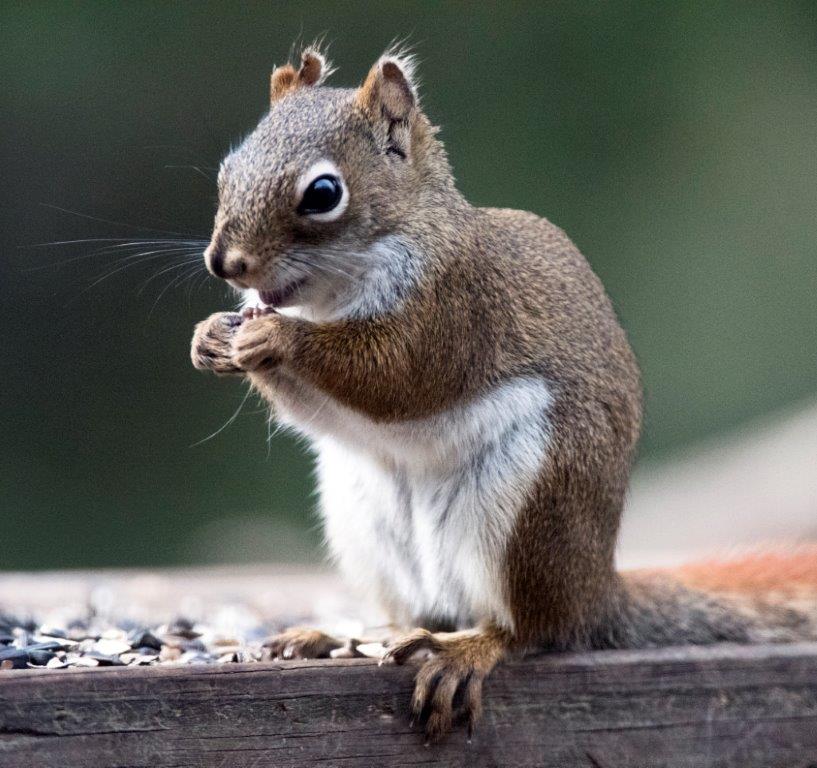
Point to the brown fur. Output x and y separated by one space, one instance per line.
282 80
503 294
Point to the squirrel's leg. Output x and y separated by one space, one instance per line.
458 662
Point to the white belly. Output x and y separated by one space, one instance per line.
419 512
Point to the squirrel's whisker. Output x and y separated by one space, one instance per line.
115 223
199 169
122 241
168 246
303 271
228 422
177 280
148 256
308 265
192 264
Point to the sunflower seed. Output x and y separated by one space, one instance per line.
111 647
52 631
104 659
140 638
40 658
183 628
196 657
372 650
170 653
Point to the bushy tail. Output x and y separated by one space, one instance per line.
789 573
768 595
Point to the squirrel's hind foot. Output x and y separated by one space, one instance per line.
302 643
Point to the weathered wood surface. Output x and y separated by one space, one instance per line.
720 706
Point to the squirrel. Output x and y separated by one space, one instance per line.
473 402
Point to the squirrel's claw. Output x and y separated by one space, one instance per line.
458 664
437 683
402 649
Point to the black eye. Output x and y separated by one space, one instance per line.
321 196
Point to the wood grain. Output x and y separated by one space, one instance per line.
742 706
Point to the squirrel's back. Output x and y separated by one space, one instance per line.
549 311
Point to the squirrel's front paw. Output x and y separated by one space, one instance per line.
211 348
257 344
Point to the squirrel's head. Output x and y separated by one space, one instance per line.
325 175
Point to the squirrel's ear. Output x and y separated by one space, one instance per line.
314 70
282 81
389 90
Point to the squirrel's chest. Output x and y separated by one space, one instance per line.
419 512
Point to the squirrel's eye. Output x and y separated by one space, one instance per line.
321 196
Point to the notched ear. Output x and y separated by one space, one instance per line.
389 91
314 69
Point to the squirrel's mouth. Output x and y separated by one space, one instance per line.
280 296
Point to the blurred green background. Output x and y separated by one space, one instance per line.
675 142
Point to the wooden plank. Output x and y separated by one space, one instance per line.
742 706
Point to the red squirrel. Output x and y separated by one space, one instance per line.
473 402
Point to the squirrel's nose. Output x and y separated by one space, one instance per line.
224 265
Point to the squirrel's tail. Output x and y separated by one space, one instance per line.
768 595
785 573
